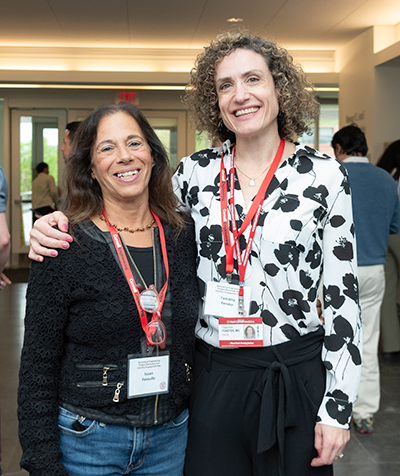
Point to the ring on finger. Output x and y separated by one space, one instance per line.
339 455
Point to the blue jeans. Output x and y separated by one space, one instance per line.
113 450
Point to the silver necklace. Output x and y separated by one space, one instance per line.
134 264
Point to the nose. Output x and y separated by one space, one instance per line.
123 154
241 93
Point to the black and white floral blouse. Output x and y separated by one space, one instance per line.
306 226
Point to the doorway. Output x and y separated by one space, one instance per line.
36 136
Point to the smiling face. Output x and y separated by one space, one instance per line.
122 161
247 97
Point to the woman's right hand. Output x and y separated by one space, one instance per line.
43 237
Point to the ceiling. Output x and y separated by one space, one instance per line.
188 24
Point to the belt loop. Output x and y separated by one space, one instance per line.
209 358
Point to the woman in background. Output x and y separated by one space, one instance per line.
390 325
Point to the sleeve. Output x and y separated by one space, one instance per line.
3 191
341 352
180 183
45 320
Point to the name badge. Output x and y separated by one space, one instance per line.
240 332
148 375
222 299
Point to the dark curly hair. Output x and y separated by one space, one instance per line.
85 198
297 104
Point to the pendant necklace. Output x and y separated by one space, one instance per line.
252 182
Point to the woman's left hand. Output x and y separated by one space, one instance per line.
329 442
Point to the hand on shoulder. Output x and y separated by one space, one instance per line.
44 238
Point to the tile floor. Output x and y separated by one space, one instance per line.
377 454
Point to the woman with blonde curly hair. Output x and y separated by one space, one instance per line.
269 215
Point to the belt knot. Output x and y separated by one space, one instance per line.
276 367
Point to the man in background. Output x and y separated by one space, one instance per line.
45 192
68 138
376 215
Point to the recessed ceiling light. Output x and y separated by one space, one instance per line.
234 20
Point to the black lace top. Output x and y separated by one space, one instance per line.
80 317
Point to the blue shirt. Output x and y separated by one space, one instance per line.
376 210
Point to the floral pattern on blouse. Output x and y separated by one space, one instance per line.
305 227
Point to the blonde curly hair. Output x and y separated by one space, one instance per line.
298 107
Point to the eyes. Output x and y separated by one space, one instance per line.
228 85
109 148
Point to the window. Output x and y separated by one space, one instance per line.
325 128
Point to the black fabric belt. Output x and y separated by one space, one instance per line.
276 385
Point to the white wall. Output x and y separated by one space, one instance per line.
387 108
355 62
370 92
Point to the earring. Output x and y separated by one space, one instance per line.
221 125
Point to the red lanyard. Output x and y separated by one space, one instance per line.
252 216
127 269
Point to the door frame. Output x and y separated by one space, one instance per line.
17 247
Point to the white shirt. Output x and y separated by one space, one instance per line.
44 191
306 222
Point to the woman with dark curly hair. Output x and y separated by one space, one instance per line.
269 215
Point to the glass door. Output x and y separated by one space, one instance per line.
36 136
170 126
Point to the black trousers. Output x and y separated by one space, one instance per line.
253 411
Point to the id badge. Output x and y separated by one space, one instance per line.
222 299
148 375
240 332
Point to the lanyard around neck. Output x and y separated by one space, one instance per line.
252 215
119 248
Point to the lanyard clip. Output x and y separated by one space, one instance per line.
229 277
241 306
241 300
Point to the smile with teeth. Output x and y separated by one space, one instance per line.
243 112
127 174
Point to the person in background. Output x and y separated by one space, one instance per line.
70 130
4 233
45 192
269 214
376 216
390 325
105 372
